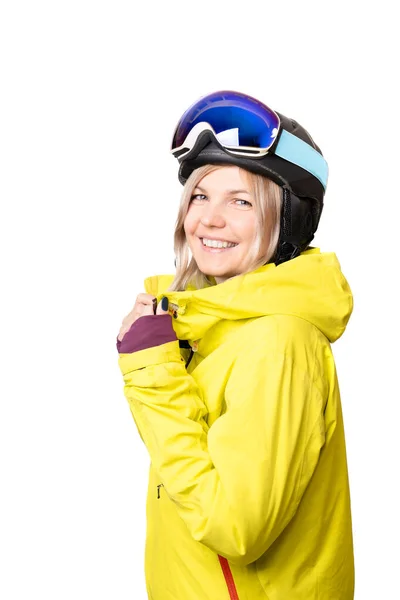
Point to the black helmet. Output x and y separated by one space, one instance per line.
302 191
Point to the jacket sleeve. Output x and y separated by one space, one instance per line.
238 483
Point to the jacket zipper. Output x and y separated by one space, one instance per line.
233 595
189 359
185 344
158 490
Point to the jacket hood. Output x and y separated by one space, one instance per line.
311 286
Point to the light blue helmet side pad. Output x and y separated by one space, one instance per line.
294 150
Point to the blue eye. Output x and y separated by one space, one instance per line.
204 197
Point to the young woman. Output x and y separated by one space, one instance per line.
230 376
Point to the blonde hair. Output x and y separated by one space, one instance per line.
267 201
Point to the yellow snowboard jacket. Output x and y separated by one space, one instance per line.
248 493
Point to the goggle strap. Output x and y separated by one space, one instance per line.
300 153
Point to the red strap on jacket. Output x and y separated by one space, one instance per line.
233 595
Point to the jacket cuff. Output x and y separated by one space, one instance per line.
146 332
158 355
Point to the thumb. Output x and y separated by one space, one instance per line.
162 308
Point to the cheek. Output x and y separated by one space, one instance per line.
246 228
189 224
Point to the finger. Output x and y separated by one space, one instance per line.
122 333
147 309
144 304
162 307
144 299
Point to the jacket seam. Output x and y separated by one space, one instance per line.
316 362
298 500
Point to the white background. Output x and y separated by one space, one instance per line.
91 92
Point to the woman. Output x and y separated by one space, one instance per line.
232 382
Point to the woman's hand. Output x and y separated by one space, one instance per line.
144 305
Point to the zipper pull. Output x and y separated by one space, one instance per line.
158 490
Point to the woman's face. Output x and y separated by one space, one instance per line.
222 209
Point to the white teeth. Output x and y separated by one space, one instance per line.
217 244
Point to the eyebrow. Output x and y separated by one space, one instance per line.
227 191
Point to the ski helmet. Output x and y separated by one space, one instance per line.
235 129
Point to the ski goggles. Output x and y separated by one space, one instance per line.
246 127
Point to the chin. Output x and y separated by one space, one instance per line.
221 272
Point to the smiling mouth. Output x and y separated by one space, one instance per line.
216 249
218 245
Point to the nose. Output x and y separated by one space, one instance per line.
212 215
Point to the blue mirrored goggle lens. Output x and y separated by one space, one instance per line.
257 125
